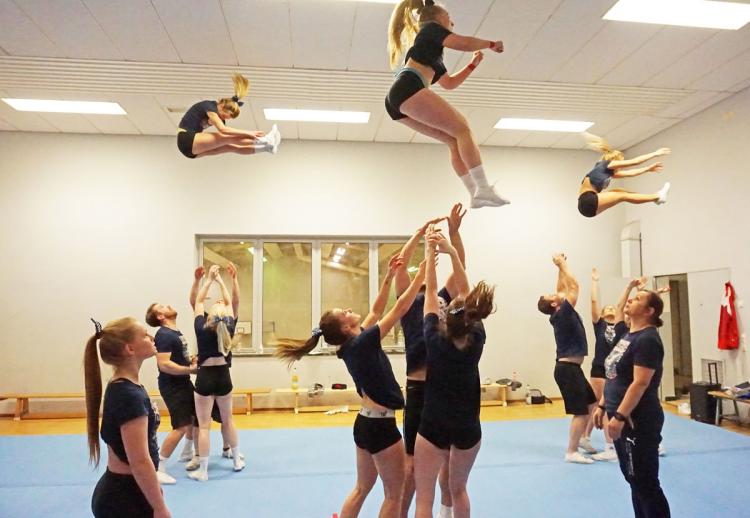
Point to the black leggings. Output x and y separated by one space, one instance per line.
118 496
638 453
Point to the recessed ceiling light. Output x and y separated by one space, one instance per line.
51 106
543 125
687 13
279 114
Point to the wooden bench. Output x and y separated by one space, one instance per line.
723 396
22 398
502 395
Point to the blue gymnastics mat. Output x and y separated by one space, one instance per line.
307 473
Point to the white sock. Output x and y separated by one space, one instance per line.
469 182
163 463
204 464
477 174
187 447
236 452
262 148
445 512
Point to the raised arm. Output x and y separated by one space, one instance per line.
198 275
403 303
460 280
595 309
402 279
619 164
629 173
620 308
570 285
470 44
431 304
382 299
232 269
454 224
198 308
225 294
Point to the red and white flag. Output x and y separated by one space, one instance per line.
729 335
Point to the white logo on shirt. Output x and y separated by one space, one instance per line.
610 364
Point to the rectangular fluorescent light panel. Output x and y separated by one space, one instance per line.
543 125
279 114
50 106
687 13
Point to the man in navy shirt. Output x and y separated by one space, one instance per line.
570 338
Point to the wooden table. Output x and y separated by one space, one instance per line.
720 396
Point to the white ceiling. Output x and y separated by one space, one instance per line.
561 61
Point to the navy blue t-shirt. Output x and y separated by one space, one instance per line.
196 118
173 342
123 402
570 336
413 325
642 348
370 368
428 48
208 341
607 335
600 175
452 391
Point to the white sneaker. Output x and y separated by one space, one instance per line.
276 139
608 455
227 454
187 456
239 464
164 478
487 197
585 444
194 464
577 458
663 192
198 475
662 450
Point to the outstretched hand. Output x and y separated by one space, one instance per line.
477 58
559 259
656 168
232 270
255 135
395 263
456 216
594 274
497 46
663 151
431 223
199 273
213 272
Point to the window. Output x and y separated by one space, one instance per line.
286 284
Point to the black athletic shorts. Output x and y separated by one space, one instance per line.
406 84
213 381
185 142
597 371
118 496
375 434
180 402
444 436
574 387
413 413
588 202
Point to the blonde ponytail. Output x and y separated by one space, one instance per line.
241 88
597 143
402 19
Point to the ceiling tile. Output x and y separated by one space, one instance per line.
321 35
731 76
20 36
69 122
260 31
146 114
369 46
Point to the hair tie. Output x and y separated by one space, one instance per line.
456 311
226 320
429 3
98 328
237 100
317 332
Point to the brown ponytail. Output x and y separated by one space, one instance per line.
112 340
463 314
404 19
656 303
329 328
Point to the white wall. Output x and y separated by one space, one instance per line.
704 226
104 225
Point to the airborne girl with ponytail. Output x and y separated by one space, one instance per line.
450 426
426 28
593 200
193 143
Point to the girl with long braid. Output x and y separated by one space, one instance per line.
426 27
129 487
194 143
593 199
380 451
